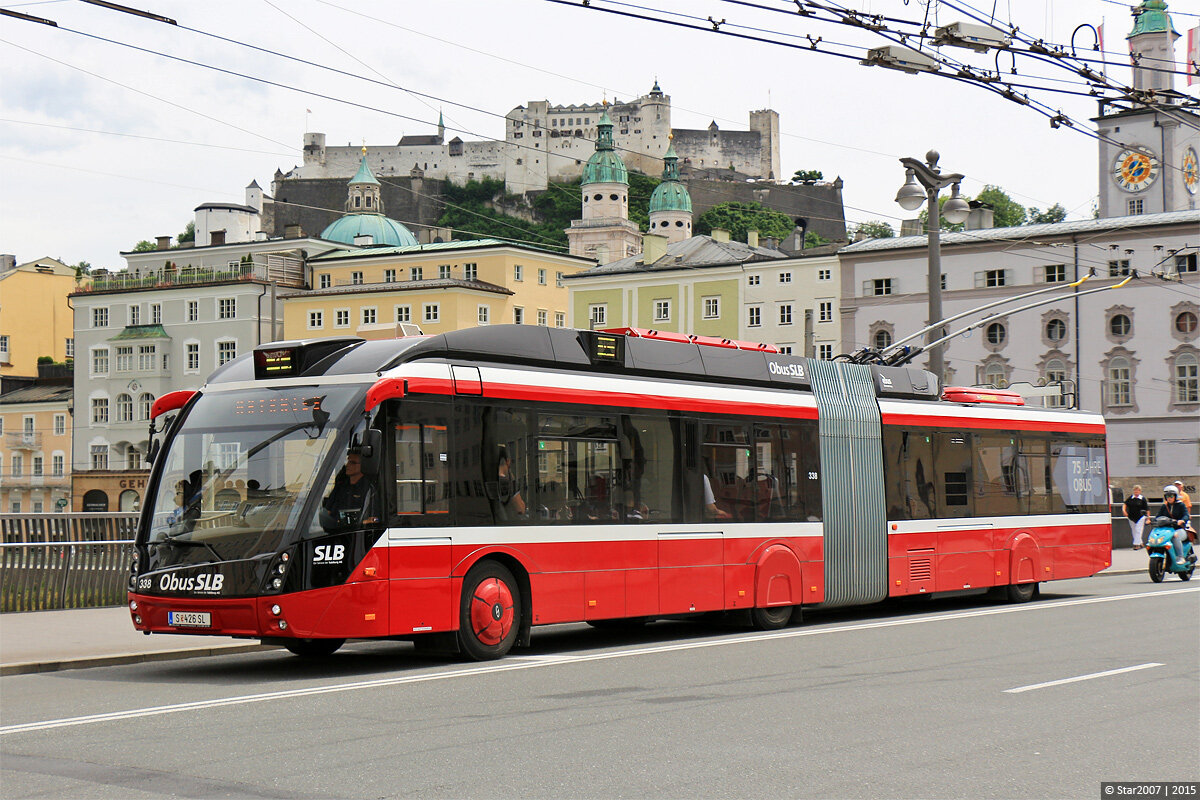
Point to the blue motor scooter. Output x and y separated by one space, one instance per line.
1158 545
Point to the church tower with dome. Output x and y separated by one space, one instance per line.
605 232
364 215
670 204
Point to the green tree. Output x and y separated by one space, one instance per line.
188 235
1055 213
1007 213
875 229
807 176
737 218
144 246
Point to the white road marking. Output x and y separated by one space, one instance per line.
513 664
1078 678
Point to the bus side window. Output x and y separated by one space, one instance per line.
1035 469
421 465
952 462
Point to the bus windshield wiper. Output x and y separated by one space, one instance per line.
177 542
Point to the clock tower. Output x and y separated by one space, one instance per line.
1148 161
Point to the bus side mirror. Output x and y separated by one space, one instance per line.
371 451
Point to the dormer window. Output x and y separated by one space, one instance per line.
368 201
357 201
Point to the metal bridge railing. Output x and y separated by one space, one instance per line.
54 561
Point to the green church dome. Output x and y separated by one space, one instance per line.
605 166
671 194
381 228
1152 17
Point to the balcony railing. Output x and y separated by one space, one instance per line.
280 269
21 440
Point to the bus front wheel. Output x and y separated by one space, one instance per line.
489 616
313 648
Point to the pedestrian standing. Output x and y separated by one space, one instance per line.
1136 508
1183 496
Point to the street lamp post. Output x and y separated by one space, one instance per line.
910 197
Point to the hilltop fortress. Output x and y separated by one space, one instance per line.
545 143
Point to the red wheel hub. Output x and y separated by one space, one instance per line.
491 611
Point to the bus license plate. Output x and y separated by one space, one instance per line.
189 619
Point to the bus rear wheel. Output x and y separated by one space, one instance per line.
489 616
770 619
313 648
1020 592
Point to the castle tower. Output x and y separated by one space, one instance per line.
605 232
1147 159
364 196
671 205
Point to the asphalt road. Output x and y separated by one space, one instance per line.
948 698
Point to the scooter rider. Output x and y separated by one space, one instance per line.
1178 514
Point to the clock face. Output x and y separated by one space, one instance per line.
1191 170
1134 170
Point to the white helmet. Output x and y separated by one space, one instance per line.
1170 490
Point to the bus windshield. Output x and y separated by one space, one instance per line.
235 478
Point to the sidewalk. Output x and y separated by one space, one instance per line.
45 641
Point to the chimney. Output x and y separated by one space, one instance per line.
7 262
216 238
291 231
162 242
654 247
260 236
911 227
720 235
980 217
363 239
752 237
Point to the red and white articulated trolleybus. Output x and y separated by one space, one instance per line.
459 489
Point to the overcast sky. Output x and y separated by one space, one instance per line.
102 145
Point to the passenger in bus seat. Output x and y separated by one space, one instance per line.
510 498
711 509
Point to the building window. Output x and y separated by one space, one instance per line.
57 465
356 278
14 506
1056 330
712 308
99 454
1056 372
99 317
403 313
316 320
18 466
433 312
193 310
825 275
226 352
389 276
1120 384
145 404
543 317
124 408
146 357
1120 325
825 311
470 271
341 318
483 314
125 359
662 310
100 410
993 375
518 272
1147 452
560 319
753 280
784 349
991 278
193 355
541 276
70 348
156 313
598 315
444 271
995 333
60 424
1134 206
785 314
324 280
785 277
518 315
227 308
1185 262
883 338
1186 322
754 316
825 352
1055 273
877 287
415 273
1119 268
38 466
1187 379
369 316
100 361
558 279
135 315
